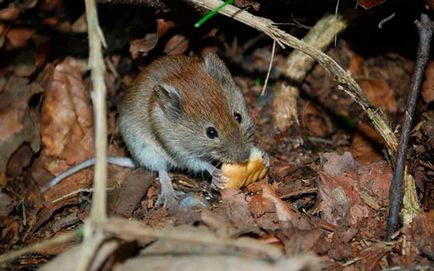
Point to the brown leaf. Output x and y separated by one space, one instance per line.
316 121
141 47
421 234
356 65
7 204
372 255
19 37
130 193
176 45
19 160
351 191
428 85
283 211
367 4
365 151
18 124
163 26
380 94
66 127
236 209
10 13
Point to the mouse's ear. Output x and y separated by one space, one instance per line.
217 68
169 100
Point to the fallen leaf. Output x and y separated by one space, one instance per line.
364 151
283 211
66 128
131 192
352 191
372 255
367 4
7 204
19 160
10 13
163 26
316 121
380 94
141 47
18 124
19 37
421 234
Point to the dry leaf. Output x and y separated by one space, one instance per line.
163 26
380 94
316 121
141 47
367 4
10 13
364 151
19 37
17 123
66 127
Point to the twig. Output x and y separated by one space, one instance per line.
97 67
397 188
94 236
345 81
273 50
320 36
134 230
300 192
93 233
40 246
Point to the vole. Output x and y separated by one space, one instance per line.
182 112
185 112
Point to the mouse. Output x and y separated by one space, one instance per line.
185 113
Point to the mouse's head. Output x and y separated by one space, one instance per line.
205 112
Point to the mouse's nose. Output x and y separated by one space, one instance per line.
240 156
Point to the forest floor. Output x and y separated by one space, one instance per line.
326 197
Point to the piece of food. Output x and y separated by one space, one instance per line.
243 174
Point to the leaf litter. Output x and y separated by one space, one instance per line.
326 194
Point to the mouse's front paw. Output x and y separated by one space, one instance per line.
218 181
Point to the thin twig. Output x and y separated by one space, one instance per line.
39 246
93 232
96 63
134 230
273 50
397 187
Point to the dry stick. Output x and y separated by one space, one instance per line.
93 233
397 187
345 81
134 230
320 36
273 50
36 247
96 63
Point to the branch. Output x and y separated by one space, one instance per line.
97 67
397 187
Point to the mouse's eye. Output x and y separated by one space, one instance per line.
238 117
211 132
